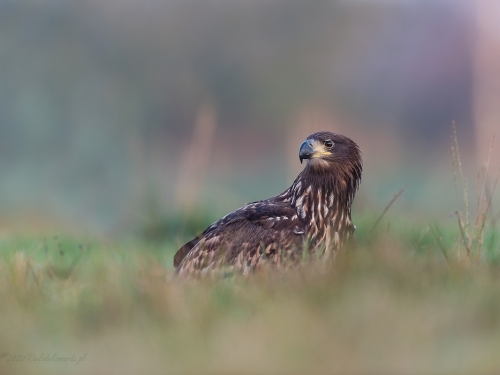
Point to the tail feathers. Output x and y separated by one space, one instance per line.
184 250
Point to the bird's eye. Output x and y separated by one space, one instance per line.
328 144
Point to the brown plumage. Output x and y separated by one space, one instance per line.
314 214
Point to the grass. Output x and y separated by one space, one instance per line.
395 304
412 297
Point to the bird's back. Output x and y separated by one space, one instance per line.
244 239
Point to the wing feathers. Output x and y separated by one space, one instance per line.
242 237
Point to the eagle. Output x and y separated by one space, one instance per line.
313 216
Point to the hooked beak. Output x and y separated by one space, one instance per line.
306 151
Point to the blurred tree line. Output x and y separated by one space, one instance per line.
99 99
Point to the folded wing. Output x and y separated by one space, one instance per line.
244 239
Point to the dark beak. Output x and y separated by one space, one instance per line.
305 151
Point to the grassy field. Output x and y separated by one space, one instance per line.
411 298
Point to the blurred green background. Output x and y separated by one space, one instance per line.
116 116
126 126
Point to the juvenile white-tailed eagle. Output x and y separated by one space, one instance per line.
314 215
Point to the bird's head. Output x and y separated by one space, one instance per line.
326 150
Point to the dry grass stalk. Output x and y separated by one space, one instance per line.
472 235
396 196
457 164
196 159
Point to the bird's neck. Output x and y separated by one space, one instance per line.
328 189
323 202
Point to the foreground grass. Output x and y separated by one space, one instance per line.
402 302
